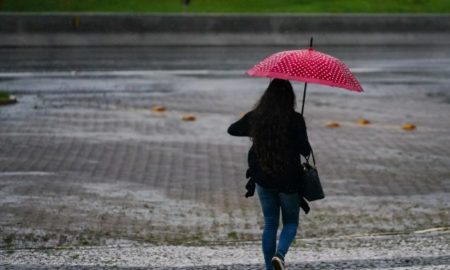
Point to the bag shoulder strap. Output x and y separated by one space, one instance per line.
313 158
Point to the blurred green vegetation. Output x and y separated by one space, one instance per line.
4 95
230 6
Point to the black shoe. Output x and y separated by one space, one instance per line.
278 262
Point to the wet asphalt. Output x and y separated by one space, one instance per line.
84 117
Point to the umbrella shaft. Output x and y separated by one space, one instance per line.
304 97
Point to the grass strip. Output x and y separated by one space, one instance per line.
230 6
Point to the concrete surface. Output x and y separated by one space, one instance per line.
84 29
427 251
87 167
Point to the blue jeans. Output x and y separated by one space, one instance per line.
271 203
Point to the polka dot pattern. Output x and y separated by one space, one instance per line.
307 66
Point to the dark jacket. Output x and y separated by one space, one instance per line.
287 182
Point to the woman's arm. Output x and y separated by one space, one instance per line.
240 127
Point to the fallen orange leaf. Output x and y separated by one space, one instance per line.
409 126
159 108
363 122
188 117
333 125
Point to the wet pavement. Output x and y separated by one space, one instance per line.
84 160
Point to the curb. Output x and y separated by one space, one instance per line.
109 29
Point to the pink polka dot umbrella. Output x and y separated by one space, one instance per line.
309 66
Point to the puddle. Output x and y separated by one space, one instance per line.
29 173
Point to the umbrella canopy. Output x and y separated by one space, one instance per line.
307 65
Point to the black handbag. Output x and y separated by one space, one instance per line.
310 186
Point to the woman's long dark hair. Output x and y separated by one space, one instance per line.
269 125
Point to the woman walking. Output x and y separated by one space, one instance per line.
279 136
